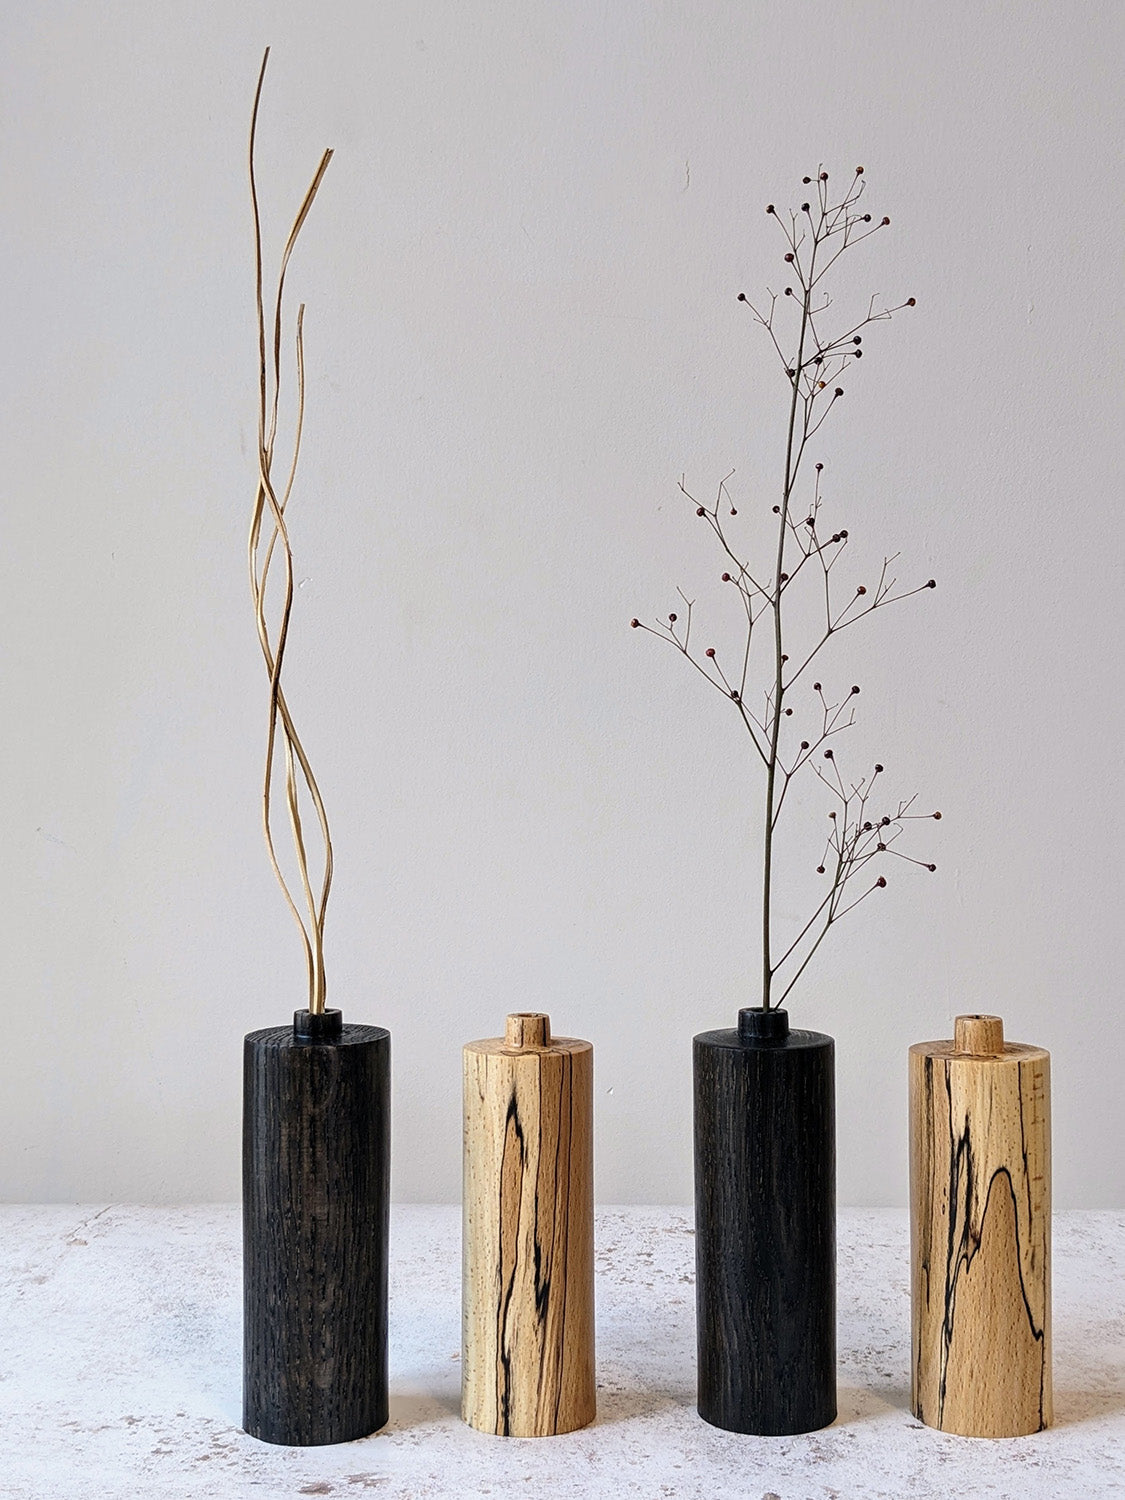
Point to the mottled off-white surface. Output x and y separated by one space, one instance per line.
120 1349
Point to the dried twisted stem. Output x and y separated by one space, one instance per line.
267 531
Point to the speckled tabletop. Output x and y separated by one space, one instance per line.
119 1374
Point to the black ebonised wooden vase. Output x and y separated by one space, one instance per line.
765 1226
315 1200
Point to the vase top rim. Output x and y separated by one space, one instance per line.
351 1034
797 1040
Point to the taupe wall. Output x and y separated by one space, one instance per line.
522 329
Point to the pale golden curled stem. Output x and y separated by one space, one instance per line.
259 561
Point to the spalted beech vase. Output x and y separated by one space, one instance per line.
980 1200
527 1366
765 1226
315 1196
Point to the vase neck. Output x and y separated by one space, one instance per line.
318 1026
759 1027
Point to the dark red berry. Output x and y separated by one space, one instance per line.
878 767
700 511
881 881
820 869
634 623
710 651
726 577
861 590
671 619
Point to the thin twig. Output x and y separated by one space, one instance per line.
815 237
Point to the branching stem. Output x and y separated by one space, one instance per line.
816 237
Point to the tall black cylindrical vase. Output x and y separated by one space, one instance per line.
315 1202
765 1226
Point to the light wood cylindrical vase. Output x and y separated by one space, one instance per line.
980 1193
527 1365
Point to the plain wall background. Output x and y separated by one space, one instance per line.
522 329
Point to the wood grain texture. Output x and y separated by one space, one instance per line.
528 1243
980 1191
315 1185
765 1225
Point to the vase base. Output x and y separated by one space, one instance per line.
773 1428
323 1438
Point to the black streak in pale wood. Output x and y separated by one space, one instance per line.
316 1180
550 1228
765 1168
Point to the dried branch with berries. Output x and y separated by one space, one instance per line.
814 360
